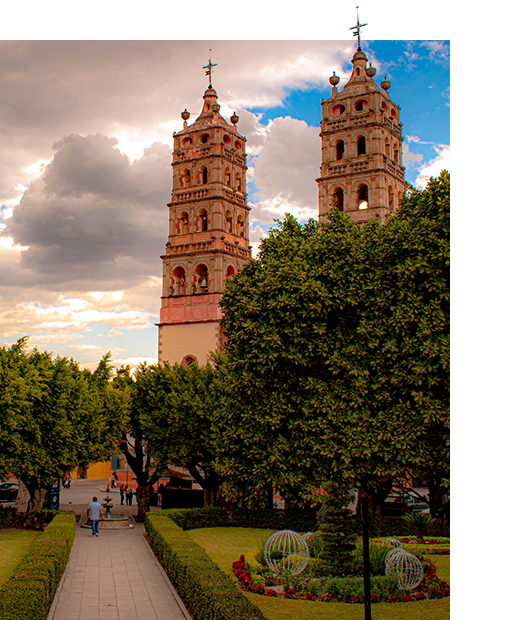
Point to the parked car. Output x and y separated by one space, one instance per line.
8 491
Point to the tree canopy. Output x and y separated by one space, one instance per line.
338 342
53 416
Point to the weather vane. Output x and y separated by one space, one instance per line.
356 30
209 66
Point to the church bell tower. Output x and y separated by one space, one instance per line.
362 171
208 238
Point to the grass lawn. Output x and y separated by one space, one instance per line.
226 544
14 545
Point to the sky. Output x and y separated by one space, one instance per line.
85 149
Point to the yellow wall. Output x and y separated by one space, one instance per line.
95 471
196 339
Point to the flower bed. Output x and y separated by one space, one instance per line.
347 589
432 545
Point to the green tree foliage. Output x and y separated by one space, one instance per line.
53 416
178 407
337 339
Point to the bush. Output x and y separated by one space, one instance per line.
207 592
30 590
193 518
296 520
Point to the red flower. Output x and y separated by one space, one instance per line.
270 592
393 599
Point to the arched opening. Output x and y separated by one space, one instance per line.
387 148
396 153
183 224
229 222
391 205
201 279
178 282
340 149
238 182
189 359
230 271
203 219
186 178
227 177
204 176
241 227
204 138
363 197
338 199
362 146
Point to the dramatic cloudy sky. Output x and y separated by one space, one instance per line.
85 150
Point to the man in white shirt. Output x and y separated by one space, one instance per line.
94 513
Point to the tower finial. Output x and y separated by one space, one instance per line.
357 31
209 66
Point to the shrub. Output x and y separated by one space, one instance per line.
208 593
296 520
30 590
192 518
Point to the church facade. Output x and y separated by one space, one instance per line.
361 174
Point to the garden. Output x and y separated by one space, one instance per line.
206 555
286 595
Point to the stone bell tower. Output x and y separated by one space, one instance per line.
362 171
208 239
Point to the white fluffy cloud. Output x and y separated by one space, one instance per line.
434 167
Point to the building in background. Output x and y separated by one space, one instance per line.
208 238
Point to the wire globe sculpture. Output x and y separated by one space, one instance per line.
286 550
391 542
409 568
307 535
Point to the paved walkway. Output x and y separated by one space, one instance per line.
115 576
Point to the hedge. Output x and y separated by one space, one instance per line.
192 518
207 592
31 588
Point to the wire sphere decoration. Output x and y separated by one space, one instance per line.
307 535
391 542
286 550
409 568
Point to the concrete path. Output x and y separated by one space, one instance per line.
115 576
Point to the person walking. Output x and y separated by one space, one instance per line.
128 492
122 494
94 513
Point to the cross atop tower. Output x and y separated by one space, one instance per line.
357 30
209 66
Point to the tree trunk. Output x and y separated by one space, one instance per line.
143 501
366 555
210 497
38 499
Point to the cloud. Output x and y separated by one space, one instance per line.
93 219
435 166
409 158
285 170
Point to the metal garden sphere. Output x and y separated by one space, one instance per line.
391 542
307 535
408 567
286 550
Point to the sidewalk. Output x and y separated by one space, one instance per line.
113 577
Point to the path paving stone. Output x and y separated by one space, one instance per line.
115 576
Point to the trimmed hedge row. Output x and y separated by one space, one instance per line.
30 590
296 520
207 592
192 518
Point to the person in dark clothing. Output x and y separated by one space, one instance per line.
122 493
128 493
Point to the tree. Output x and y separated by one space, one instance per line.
338 351
178 417
53 417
